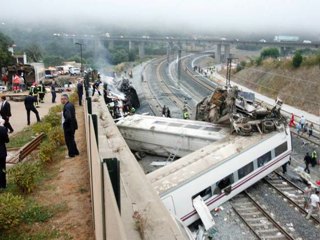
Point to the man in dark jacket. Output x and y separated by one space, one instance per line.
29 102
307 161
3 153
70 125
5 112
53 91
80 91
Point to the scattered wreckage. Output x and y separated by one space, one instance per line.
239 108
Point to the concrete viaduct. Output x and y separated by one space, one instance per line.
222 45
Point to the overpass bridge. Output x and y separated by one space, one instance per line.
186 43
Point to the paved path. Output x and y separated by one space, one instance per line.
19 114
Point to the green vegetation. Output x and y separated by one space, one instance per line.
297 60
5 56
21 138
270 53
18 209
11 209
24 175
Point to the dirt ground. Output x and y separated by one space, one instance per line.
71 187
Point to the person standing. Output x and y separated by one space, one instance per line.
80 91
70 125
307 161
310 129
302 122
53 91
95 87
34 92
314 158
5 112
306 195
314 204
42 91
3 153
29 103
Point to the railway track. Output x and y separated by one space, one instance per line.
292 193
257 219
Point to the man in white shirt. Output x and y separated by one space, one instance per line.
314 205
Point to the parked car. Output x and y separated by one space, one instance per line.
307 41
74 71
3 88
262 40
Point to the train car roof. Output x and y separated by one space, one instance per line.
202 160
175 126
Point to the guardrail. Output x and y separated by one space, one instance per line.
106 215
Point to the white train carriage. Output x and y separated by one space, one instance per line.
164 136
219 171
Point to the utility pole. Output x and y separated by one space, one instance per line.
81 68
228 77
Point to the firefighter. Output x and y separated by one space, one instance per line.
41 91
34 92
186 113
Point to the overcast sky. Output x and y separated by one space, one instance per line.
277 16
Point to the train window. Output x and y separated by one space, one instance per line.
244 171
213 129
281 148
264 159
224 184
193 126
205 194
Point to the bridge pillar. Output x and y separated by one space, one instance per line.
226 51
193 46
218 54
111 44
141 49
130 46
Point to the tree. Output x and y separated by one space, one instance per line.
119 55
297 59
53 61
270 52
34 53
5 56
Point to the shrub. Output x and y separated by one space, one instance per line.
36 213
47 148
297 60
270 52
11 208
56 136
53 118
73 98
40 127
24 175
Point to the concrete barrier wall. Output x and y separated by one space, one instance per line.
106 216
142 212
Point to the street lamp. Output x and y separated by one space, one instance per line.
81 68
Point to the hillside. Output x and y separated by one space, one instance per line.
297 87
